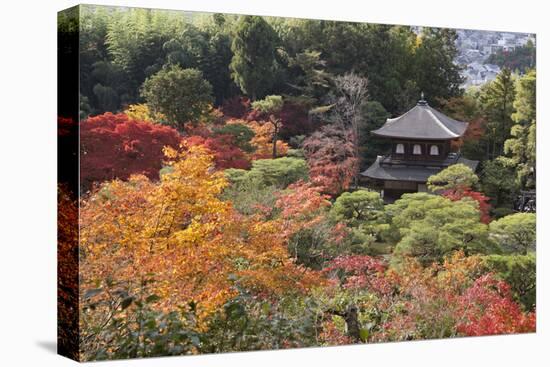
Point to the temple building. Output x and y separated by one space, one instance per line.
420 147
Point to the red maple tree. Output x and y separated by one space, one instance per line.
223 148
331 157
483 201
114 146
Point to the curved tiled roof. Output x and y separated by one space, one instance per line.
407 172
422 122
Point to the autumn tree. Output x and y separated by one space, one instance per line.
521 58
480 198
453 298
488 309
331 158
302 209
271 106
236 107
261 142
194 249
300 206
182 95
352 94
473 144
142 112
359 281
115 146
295 120
224 148
68 270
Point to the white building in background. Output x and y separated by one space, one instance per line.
475 47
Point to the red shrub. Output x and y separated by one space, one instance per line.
294 120
236 107
483 201
474 132
361 271
222 147
488 309
113 146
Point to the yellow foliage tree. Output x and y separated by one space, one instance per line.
194 245
141 112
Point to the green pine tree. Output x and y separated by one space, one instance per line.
254 49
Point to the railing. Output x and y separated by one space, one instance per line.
389 160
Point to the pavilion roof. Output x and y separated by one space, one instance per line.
412 173
422 122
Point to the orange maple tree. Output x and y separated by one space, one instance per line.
178 231
262 141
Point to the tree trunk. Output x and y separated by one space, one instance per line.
355 128
275 124
352 323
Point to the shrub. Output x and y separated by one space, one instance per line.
115 146
226 152
242 135
515 233
430 226
520 272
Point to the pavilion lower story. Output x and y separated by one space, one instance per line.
395 179
392 190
